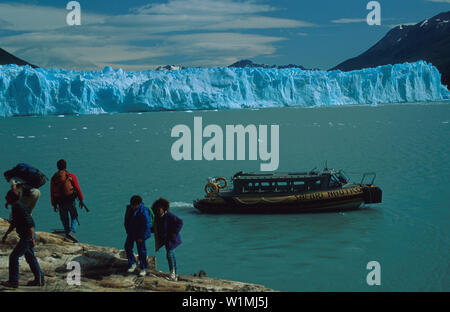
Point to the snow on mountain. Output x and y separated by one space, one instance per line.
38 91
428 40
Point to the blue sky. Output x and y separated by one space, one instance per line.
139 34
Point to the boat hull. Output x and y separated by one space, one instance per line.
320 201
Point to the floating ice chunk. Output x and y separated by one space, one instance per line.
180 204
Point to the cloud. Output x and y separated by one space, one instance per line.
442 1
202 32
22 17
204 7
356 20
349 20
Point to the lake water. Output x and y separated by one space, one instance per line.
116 156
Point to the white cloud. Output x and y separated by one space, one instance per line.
204 7
442 1
22 17
202 32
349 20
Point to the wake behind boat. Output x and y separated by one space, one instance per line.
297 192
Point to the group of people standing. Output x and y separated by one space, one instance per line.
140 222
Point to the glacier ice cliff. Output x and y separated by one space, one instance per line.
28 91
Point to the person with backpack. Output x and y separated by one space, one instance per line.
64 189
167 232
26 181
22 221
138 223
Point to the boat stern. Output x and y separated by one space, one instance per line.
372 194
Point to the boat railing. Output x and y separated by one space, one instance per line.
368 174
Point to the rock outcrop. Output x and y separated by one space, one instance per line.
103 269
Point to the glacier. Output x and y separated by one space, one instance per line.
28 91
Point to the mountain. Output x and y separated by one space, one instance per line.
170 67
248 63
428 40
8 58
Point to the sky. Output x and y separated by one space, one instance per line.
143 34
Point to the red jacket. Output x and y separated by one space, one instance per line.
75 184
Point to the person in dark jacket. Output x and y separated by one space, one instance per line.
137 225
23 223
167 232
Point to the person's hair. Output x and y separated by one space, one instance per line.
12 197
136 200
161 202
61 164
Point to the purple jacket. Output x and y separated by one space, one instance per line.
168 225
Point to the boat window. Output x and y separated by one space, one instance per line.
314 185
299 185
342 177
282 186
334 181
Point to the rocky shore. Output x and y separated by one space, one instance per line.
103 269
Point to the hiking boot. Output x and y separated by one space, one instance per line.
143 273
10 284
71 237
36 282
173 276
132 268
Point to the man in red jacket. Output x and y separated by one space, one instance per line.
64 189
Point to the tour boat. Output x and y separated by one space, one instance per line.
293 192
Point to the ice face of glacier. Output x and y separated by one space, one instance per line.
28 91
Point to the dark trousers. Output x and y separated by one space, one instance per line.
142 252
67 208
23 248
170 254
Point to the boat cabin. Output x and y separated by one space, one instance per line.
298 182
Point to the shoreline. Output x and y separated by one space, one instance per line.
103 269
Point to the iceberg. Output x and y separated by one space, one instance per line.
39 91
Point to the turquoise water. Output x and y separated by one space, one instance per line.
116 156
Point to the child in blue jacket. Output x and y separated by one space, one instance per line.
137 226
167 232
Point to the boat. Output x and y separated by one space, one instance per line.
292 192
